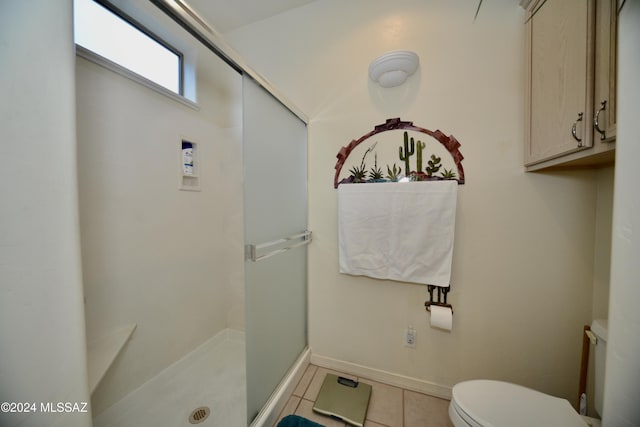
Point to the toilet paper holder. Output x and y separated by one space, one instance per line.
442 297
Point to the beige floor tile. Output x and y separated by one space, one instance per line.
385 405
289 408
318 378
389 406
305 409
302 386
421 410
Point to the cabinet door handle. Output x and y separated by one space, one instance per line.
596 126
573 130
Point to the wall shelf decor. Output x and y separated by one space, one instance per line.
436 166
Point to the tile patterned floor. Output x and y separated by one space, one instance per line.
389 406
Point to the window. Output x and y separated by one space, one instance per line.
109 35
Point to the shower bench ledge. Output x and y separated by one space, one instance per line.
103 351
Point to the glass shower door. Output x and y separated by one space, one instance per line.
275 221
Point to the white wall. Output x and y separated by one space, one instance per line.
168 260
42 350
523 264
622 383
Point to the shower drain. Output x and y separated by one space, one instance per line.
199 415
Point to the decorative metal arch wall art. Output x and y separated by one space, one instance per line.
432 168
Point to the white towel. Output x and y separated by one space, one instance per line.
398 231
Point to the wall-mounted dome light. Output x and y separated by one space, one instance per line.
393 68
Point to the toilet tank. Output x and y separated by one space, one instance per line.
600 328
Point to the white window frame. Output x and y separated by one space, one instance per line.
111 65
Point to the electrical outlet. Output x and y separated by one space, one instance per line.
410 337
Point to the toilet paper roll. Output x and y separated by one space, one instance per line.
441 317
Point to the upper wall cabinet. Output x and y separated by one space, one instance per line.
570 83
605 71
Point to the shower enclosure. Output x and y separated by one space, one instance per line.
205 273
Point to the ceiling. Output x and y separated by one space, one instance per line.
227 15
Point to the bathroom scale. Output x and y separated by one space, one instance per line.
344 399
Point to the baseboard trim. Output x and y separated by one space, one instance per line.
385 377
276 403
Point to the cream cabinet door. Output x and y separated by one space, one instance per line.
560 55
605 71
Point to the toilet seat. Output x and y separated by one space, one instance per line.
486 403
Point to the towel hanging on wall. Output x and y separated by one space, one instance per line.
398 231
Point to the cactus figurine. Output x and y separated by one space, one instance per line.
448 174
393 174
434 165
373 146
376 173
420 146
359 174
408 152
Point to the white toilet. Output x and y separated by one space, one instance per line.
486 403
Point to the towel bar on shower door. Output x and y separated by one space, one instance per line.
251 252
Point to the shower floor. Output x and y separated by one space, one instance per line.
213 375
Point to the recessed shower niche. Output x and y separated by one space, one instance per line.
189 166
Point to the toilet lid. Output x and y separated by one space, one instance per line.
489 403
